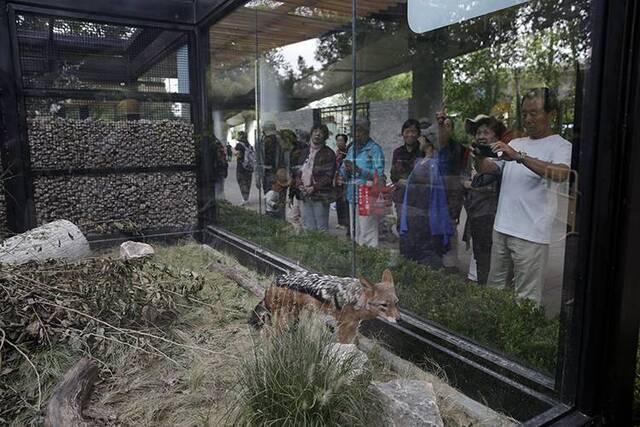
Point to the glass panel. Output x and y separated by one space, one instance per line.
299 83
476 243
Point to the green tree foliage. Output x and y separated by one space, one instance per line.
475 83
390 89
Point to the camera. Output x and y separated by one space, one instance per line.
484 150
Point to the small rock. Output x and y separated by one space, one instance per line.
349 353
409 403
129 250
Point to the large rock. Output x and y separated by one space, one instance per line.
129 250
56 240
349 353
409 403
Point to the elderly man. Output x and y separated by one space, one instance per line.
364 158
531 167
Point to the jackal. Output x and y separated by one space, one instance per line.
347 300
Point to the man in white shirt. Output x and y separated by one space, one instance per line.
532 168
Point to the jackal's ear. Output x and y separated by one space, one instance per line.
366 283
387 276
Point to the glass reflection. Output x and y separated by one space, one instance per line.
420 188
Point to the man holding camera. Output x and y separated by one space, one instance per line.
532 168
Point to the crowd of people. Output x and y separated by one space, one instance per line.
505 183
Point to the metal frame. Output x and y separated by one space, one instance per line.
163 13
17 152
596 376
602 316
605 325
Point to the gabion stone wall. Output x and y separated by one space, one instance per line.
127 202
58 143
3 209
111 202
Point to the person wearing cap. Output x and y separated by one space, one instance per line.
402 161
532 168
364 160
315 180
481 196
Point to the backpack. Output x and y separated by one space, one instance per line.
249 160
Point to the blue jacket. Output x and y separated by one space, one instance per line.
370 159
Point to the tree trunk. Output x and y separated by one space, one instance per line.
70 395
56 240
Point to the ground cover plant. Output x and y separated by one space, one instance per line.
494 318
166 333
292 378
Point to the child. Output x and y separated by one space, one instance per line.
276 198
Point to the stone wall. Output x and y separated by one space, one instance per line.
109 202
116 202
57 143
4 227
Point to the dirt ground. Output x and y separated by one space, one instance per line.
192 385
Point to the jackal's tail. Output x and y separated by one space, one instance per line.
260 315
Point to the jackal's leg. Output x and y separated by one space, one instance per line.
348 331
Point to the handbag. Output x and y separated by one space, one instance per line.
375 198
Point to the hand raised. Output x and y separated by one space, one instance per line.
508 153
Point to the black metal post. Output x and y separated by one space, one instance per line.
203 124
354 193
604 327
15 153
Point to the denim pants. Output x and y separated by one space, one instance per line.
315 215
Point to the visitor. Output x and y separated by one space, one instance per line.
245 161
425 225
481 195
364 160
402 163
532 168
315 180
342 207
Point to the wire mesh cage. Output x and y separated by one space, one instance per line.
71 54
109 126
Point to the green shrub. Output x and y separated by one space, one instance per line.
491 317
293 380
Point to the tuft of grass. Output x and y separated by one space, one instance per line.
294 380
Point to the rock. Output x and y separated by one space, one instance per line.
56 240
129 250
349 353
409 403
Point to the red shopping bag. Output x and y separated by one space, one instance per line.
374 198
380 197
364 200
